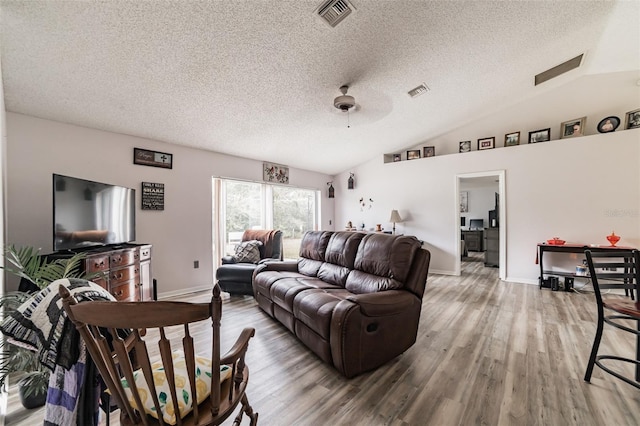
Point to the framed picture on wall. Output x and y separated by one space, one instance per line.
429 151
632 119
465 146
413 154
573 128
464 201
512 139
608 124
396 157
541 135
486 143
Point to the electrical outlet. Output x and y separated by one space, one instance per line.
196 264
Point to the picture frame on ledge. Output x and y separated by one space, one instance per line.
608 124
486 143
413 154
573 128
397 157
632 119
542 135
429 151
512 139
465 146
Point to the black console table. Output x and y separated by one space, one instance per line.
567 248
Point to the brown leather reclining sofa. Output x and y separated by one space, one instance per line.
353 298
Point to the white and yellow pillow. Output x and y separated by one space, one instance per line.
183 388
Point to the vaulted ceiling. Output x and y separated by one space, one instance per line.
257 79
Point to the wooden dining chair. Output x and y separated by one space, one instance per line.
617 271
162 392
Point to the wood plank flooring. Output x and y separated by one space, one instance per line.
488 352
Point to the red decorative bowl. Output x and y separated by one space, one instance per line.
556 242
613 239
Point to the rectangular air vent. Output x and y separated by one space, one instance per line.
334 11
571 64
420 90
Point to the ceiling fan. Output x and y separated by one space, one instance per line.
345 102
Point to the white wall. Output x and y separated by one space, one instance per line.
180 234
481 200
578 189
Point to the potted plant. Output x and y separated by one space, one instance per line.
28 264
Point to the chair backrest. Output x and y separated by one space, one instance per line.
152 328
271 239
614 270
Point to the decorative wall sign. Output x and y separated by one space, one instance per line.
275 173
486 143
152 196
146 157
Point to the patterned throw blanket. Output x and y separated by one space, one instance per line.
42 325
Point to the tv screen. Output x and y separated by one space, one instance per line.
87 213
476 224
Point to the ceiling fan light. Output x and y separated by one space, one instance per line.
344 102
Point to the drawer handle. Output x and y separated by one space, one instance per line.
117 276
145 253
118 293
117 259
97 265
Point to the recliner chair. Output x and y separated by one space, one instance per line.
235 277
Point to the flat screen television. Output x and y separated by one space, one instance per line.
87 213
476 224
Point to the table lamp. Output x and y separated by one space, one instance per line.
395 218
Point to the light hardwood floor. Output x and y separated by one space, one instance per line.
488 352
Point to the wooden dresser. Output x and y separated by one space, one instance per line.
492 247
126 271
473 240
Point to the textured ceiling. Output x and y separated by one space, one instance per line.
257 79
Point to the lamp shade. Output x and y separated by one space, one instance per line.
395 217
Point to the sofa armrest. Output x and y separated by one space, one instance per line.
227 260
383 303
277 265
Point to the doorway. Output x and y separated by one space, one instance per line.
481 214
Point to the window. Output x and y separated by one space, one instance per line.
294 213
241 205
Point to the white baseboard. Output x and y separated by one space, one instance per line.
169 294
441 272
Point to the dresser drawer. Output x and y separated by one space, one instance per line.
128 291
122 258
98 263
120 275
145 252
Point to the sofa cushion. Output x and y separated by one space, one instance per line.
315 308
314 245
309 267
342 248
283 292
333 274
248 252
360 282
386 255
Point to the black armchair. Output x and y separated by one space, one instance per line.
235 277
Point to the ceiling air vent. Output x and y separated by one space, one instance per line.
420 90
559 69
334 11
